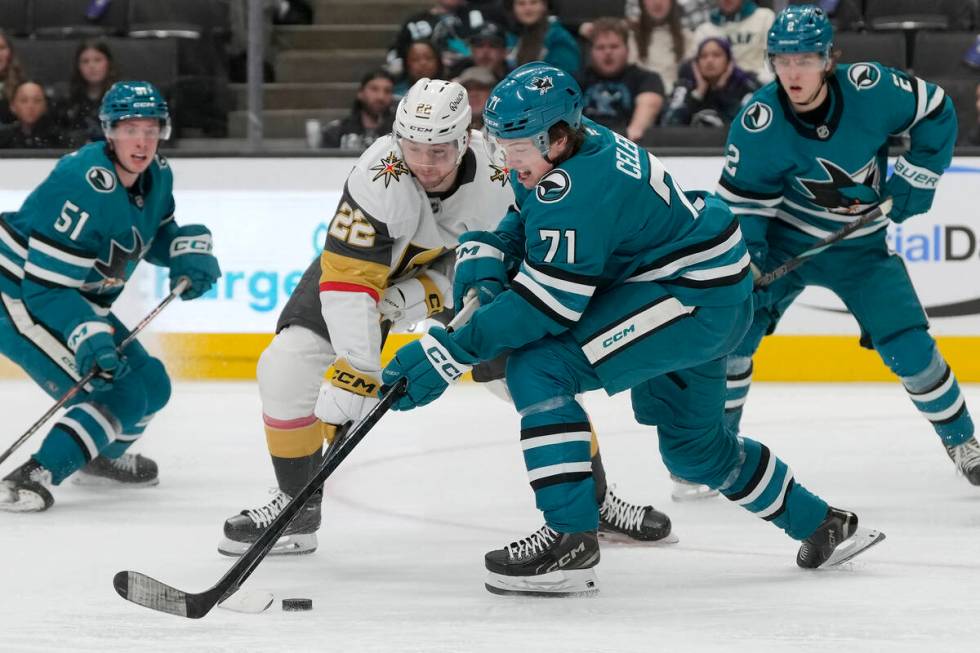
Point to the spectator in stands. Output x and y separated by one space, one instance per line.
34 126
659 41
448 24
370 117
422 59
478 82
488 48
615 93
92 75
11 76
746 26
540 37
711 88
693 12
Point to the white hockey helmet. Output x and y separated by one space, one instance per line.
435 111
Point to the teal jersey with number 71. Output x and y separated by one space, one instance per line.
610 215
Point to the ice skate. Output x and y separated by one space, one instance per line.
687 491
26 489
545 563
966 457
128 470
247 526
836 540
627 523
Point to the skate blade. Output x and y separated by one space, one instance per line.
248 601
288 545
689 492
20 501
612 537
555 584
862 540
91 480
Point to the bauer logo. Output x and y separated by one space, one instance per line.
553 186
101 179
757 117
863 76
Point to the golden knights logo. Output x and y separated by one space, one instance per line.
121 262
844 192
500 174
390 167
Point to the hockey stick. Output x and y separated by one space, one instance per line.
781 271
65 398
151 593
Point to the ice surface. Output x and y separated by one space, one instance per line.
410 514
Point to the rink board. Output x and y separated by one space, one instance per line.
269 218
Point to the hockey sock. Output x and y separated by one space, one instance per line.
557 444
936 394
296 447
737 383
74 440
764 485
125 439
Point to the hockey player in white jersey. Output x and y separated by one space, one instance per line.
388 255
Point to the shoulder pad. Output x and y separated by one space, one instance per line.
861 76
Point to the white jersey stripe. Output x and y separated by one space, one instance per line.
53 277
526 281
60 254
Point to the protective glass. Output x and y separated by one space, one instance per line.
806 61
438 156
128 130
512 152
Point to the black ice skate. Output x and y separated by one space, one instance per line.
966 457
247 526
836 540
128 470
545 563
26 489
627 523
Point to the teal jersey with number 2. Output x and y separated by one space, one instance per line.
609 218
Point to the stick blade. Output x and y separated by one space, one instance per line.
150 593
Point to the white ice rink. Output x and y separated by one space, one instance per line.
410 514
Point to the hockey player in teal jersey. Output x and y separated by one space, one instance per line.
808 155
621 282
65 257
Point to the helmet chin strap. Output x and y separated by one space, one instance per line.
823 82
115 159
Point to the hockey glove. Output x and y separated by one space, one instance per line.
430 364
912 189
349 396
191 257
479 266
409 302
95 349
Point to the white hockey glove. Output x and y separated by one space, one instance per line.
409 302
348 396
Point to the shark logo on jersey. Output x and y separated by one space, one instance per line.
863 76
540 84
844 192
121 262
757 117
101 179
390 167
553 186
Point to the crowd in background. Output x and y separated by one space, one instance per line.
656 63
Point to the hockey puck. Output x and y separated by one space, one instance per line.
296 605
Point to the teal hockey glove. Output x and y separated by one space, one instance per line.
480 266
912 189
190 256
429 364
95 349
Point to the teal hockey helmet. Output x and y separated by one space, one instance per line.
127 100
529 101
799 29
